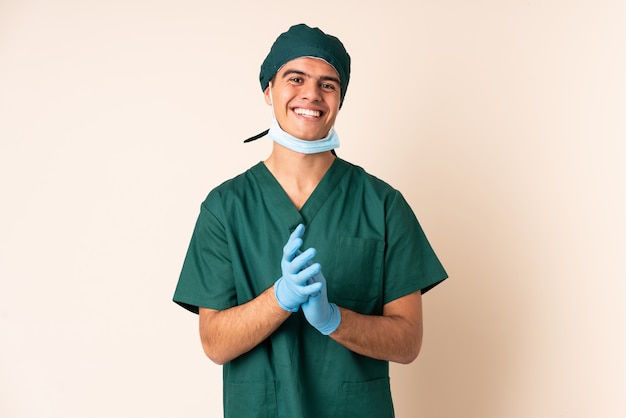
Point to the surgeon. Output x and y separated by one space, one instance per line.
306 271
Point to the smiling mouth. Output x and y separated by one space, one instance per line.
307 113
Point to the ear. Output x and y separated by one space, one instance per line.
268 97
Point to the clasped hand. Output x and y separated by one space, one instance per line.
303 284
296 284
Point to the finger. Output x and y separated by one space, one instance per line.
291 248
297 233
312 290
306 274
319 277
303 259
294 243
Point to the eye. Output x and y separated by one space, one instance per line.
296 80
328 86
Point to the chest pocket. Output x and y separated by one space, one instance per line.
355 281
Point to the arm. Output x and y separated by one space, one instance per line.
395 336
227 334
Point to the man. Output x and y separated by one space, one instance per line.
307 272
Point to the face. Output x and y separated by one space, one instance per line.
305 94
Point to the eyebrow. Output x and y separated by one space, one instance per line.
302 73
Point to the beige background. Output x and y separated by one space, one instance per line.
503 123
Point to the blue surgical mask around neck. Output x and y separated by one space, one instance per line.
299 145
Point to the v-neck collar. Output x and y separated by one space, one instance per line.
278 199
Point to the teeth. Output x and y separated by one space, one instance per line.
307 112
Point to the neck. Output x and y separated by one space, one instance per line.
298 174
288 163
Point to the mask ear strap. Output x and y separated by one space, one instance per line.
255 137
262 134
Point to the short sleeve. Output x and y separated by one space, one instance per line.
410 262
206 279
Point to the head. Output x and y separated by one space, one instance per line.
303 41
305 97
305 77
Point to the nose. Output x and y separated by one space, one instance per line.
311 91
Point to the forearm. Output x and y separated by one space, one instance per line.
393 336
227 334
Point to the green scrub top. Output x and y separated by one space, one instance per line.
372 251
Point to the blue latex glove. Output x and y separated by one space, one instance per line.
295 286
324 316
